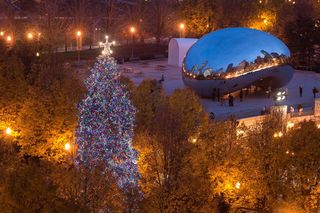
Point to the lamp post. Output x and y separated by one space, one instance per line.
182 28
132 31
79 44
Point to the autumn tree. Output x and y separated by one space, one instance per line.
164 147
198 16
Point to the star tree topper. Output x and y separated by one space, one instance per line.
107 47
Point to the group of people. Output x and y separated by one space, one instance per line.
292 110
314 91
217 97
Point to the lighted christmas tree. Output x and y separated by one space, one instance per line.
106 121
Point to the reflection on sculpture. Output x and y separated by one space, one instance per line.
204 72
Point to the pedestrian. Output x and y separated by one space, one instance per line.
218 94
214 94
314 91
241 95
264 110
232 99
286 93
212 116
300 91
269 91
291 110
161 80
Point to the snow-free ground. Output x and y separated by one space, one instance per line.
252 103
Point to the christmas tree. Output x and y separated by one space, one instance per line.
106 121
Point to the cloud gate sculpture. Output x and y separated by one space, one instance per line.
234 58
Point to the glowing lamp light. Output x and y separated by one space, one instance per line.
318 126
132 30
9 131
114 42
290 125
194 140
265 21
182 26
240 133
30 36
278 135
79 33
107 37
1 33
238 185
38 54
9 38
67 146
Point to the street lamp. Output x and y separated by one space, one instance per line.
9 131
182 28
278 135
132 31
79 44
238 185
67 146
1 33
9 40
30 36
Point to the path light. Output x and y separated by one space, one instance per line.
67 146
30 36
132 30
290 125
240 132
9 38
182 26
8 131
238 185
79 33
278 135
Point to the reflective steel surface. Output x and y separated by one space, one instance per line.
233 52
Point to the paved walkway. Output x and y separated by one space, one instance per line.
252 104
